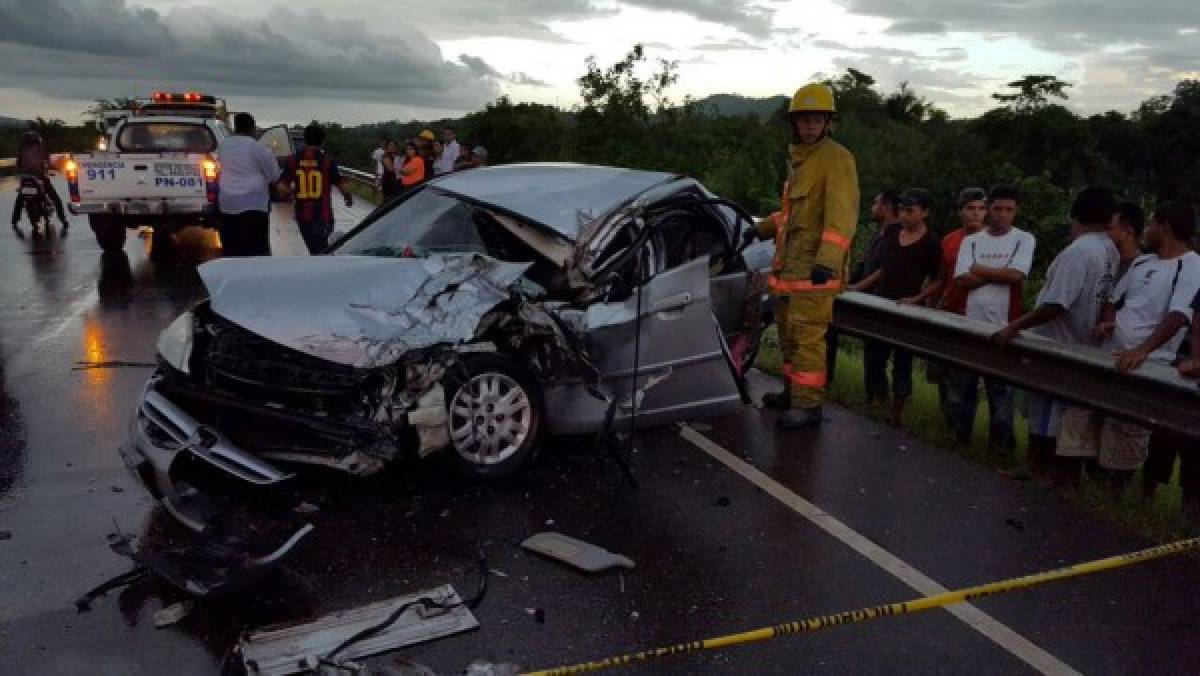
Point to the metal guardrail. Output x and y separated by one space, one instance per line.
356 176
1153 395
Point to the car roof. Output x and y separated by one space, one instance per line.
563 197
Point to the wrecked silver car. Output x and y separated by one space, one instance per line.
473 316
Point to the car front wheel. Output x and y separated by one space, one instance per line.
495 416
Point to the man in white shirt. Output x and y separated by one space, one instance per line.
1078 282
248 170
377 158
450 152
1145 319
992 265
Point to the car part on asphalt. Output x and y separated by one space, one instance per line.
582 555
206 568
405 620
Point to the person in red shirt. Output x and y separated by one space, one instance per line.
311 175
972 212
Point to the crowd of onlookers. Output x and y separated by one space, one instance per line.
421 159
1127 284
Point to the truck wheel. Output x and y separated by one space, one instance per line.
495 416
110 233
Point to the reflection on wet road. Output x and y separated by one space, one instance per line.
12 435
714 553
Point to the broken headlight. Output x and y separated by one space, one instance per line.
175 343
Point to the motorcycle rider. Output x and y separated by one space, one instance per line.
34 161
812 234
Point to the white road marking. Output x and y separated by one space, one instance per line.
985 624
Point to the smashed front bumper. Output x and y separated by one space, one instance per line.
166 446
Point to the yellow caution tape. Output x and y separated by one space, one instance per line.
865 614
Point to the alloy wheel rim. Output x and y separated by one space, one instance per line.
490 419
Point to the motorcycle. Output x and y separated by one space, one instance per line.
37 204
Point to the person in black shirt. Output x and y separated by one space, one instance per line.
885 213
909 274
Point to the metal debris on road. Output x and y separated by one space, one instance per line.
582 555
304 647
202 569
485 668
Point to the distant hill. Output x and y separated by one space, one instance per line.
733 104
12 122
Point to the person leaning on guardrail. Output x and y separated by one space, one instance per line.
885 214
1080 278
971 206
991 267
910 274
1145 319
1189 366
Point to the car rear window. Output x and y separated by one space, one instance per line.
166 137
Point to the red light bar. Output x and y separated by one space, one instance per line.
189 97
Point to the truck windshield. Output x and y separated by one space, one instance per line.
166 137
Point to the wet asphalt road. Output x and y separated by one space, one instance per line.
714 552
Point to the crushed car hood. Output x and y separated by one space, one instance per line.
361 311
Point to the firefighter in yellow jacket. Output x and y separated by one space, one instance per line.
813 232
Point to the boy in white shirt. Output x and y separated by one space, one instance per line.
1145 319
992 265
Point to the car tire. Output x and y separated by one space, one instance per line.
494 413
110 233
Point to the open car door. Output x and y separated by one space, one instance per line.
279 142
681 356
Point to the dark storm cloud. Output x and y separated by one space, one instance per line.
482 68
530 18
105 48
526 19
750 18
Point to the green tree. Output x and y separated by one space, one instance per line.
1033 92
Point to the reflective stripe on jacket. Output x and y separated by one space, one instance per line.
818 217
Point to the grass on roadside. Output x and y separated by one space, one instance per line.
1158 519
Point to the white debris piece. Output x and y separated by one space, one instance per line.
172 614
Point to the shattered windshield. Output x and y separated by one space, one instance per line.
424 223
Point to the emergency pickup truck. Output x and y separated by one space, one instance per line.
161 169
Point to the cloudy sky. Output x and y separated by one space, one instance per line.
359 61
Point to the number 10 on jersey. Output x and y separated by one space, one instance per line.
309 184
